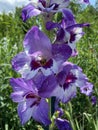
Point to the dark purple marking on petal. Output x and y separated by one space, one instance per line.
43 63
43 2
34 65
72 37
34 96
48 64
70 78
60 34
55 6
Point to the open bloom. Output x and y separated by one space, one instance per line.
87 89
43 7
39 55
68 80
30 103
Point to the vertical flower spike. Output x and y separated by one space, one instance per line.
30 104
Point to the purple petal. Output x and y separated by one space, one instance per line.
24 113
20 84
29 11
19 61
51 25
36 41
60 34
61 52
77 26
48 86
68 18
65 95
61 3
40 112
17 96
94 100
87 89
63 124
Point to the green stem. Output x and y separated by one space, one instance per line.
52 110
52 106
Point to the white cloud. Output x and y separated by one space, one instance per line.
9 5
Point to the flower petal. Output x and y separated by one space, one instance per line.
40 112
63 124
19 61
17 96
24 114
61 52
87 89
20 84
35 40
48 86
68 18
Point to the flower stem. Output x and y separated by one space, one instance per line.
52 106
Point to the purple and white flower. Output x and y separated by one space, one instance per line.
68 32
30 103
40 55
87 89
45 7
68 80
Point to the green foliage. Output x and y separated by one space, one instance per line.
80 112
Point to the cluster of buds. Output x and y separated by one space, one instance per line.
44 66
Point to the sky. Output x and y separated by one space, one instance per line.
9 5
